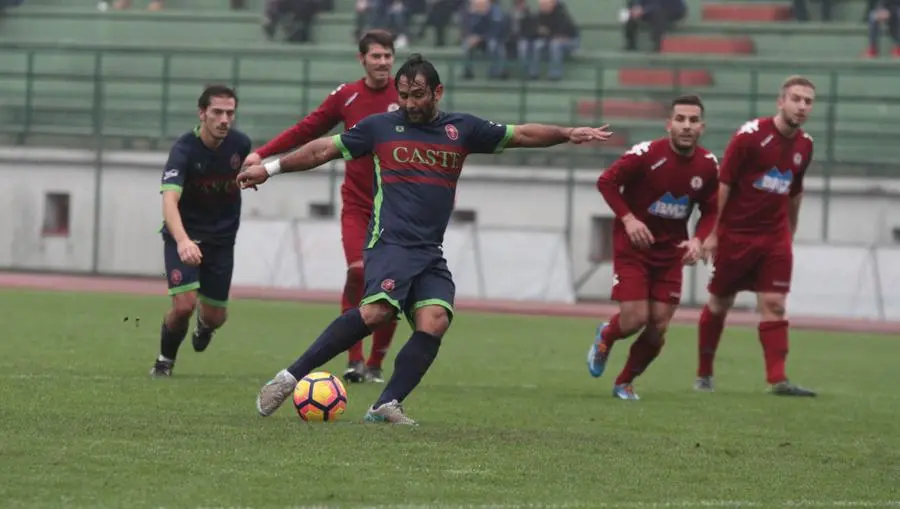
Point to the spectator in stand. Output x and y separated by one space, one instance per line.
801 10
294 16
485 28
659 14
885 12
439 14
556 33
523 31
390 15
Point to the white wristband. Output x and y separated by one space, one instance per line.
273 167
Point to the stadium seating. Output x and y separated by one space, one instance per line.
152 65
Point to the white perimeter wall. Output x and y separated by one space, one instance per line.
516 251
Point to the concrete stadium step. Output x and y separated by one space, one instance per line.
227 28
665 78
708 44
743 12
841 11
208 6
784 40
187 26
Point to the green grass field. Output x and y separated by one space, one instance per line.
510 418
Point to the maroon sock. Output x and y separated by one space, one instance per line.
774 339
710 332
612 332
643 351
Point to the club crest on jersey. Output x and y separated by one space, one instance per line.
670 207
798 159
452 133
393 107
235 162
387 285
696 183
775 181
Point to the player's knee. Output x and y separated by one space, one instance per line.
633 317
772 306
377 314
434 320
660 326
213 316
183 305
720 305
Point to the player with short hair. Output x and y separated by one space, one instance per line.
201 216
350 103
652 189
419 153
760 191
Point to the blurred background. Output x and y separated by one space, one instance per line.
92 95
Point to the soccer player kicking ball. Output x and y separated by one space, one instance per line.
201 212
419 153
349 103
760 190
652 190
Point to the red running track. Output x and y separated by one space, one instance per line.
685 316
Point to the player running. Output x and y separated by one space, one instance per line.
201 213
349 103
419 153
652 190
760 190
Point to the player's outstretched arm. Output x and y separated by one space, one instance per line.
312 155
309 156
314 125
541 135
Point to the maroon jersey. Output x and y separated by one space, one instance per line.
348 103
660 187
764 169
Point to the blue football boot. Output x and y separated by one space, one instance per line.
598 354
625 391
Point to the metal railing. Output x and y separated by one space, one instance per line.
94 93
83 90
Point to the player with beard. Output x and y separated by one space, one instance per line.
349 103
419 153
760 191
652 189
201 213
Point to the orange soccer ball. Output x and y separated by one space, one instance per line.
320 396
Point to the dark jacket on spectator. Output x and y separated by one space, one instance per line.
557 23
523 23
490 25
675 9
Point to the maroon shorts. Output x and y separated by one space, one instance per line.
751 263
637 279
354 233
